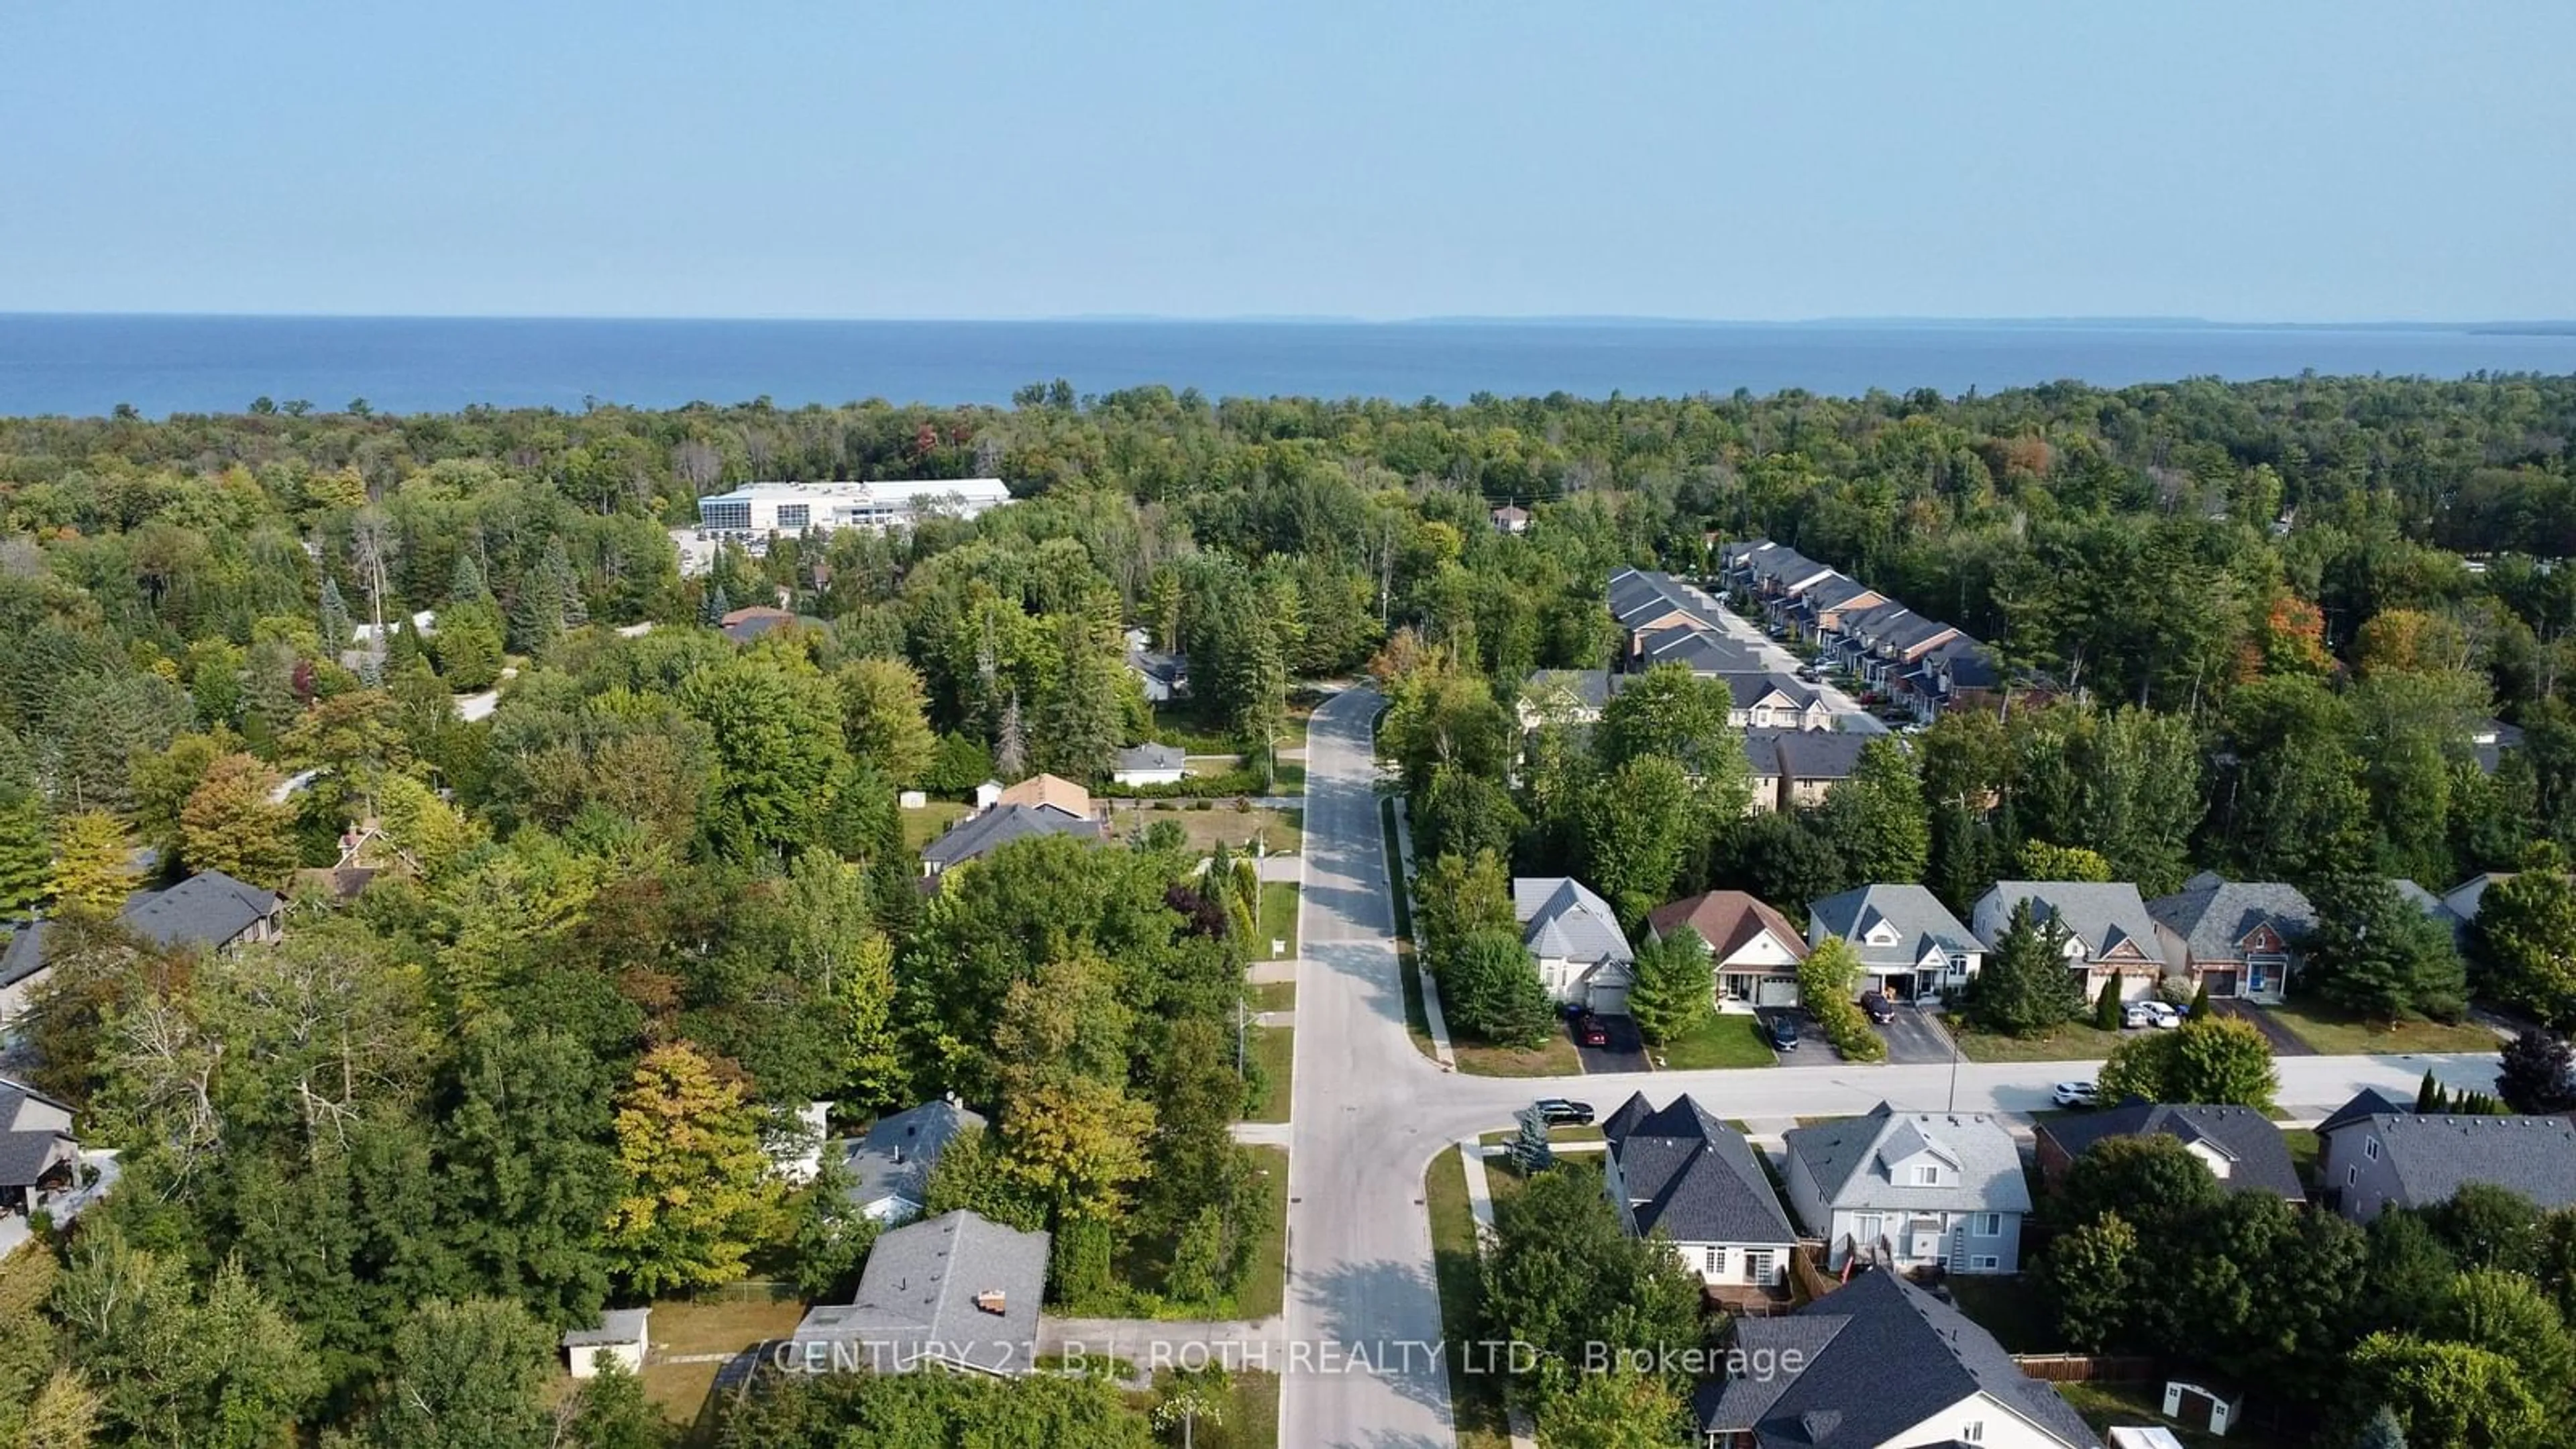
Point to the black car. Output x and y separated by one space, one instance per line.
1876 1004
1558 1112
1782 1031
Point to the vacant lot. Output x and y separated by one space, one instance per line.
931 821
1277 830
2336 1033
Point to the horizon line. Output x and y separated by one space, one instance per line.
1534 319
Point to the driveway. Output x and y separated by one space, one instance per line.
1812 1051
1914 1037
1848 715
2284 1042
1625 1053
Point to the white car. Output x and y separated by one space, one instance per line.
2150 1013
2076 1094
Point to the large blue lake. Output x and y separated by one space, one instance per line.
89 364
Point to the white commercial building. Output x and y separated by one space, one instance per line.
757 510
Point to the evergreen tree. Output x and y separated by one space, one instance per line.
466 584
336 632
714 606
537 613
2382 1432
26 859
2428 1094
2200 1000
2025 987
2106 1007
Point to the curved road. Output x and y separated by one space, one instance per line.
1368 1113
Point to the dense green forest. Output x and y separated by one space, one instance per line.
2256 624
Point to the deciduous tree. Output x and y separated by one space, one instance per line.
233 823
698 1193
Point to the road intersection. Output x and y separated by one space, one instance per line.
1369 1112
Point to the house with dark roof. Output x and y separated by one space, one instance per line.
1704 652
2369 1164
1908 942
1644 599
1879 1364
1911 1189
1680 1172
1811 762
1753 950
2109 935
953 1292
1564 697
1148 764
1583 957
209 911
2432 907
37 1150
2236 938
1773 702
1821 607
2241 1147
1162 674
981 834
889 1165
2368 1102
2462 900
23 963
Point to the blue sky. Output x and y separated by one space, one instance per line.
2293 161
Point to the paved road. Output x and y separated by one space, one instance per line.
1848 715
1369 1112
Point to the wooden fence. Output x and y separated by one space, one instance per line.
2079 1368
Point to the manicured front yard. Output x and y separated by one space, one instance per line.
2073 1042
1278 917
1556 1057
1476 1400
1726 1041
1272 995
1265 1286
2336 1033
1273 1049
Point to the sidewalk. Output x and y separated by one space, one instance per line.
1480 1204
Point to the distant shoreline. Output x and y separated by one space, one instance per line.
2548 327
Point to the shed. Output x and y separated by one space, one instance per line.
617 1338
2202 1406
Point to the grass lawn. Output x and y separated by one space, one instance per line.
2104 1405
2335 1033
1726 1041
1205 829
2303 1152
1251 1414
1273 996
1278 916
1476 1400
714 1324
931 821
1408 965
1275 1048
1556 1057
1265 1288
1181 722
2009 1308
1554 1134
2073 1042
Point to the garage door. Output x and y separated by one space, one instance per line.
2220 983
1776 991
1609 1000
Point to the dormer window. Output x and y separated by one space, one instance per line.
1927 1175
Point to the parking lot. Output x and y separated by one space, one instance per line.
1625 1053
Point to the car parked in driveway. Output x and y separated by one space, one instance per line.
2076 1094
1781 1030
1589 1030
2156 1014
1877 1005
1559 1112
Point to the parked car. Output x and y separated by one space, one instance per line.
1811 674
2157 1014
1781 1031
1558 1112
1589 1030
2077 1094
1880 1009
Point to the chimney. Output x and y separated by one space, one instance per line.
993 1301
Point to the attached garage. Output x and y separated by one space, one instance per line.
1605 1000
1776 991
2220 983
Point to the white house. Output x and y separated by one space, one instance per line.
1148 764
619 1338
1909 944
1685 1174
1583 957
890 1167
757 510
1912 1189
1753 950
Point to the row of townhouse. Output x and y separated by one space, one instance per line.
1921 662
2238 938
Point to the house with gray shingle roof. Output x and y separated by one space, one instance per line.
1912 1189
1703 652
1773 702
1908 942
37 1150
2237 938
889 1165
1583 957
1148 764
1564 696
953 1292
1880 1364
1811 762
208 911
1681 1172
982 834
2241 1147
2109 934
2369 1164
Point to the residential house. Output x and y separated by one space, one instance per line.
953 1292
1148 764
1809 763
1753 950
2236 938
1959 673
981 834
746 624
1821 607
1774 702
2414 895
1909 944
2462 900
23 964
1564 697
1880 1364
37 1150
2241 1147
1163 675
1052 791
2109 935
2489 741
620 1337
1911 1190
2370 1163
1681 1172
1893 645
1583 957
1769 572
889 1165
1509 519
1645 599
1703 652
